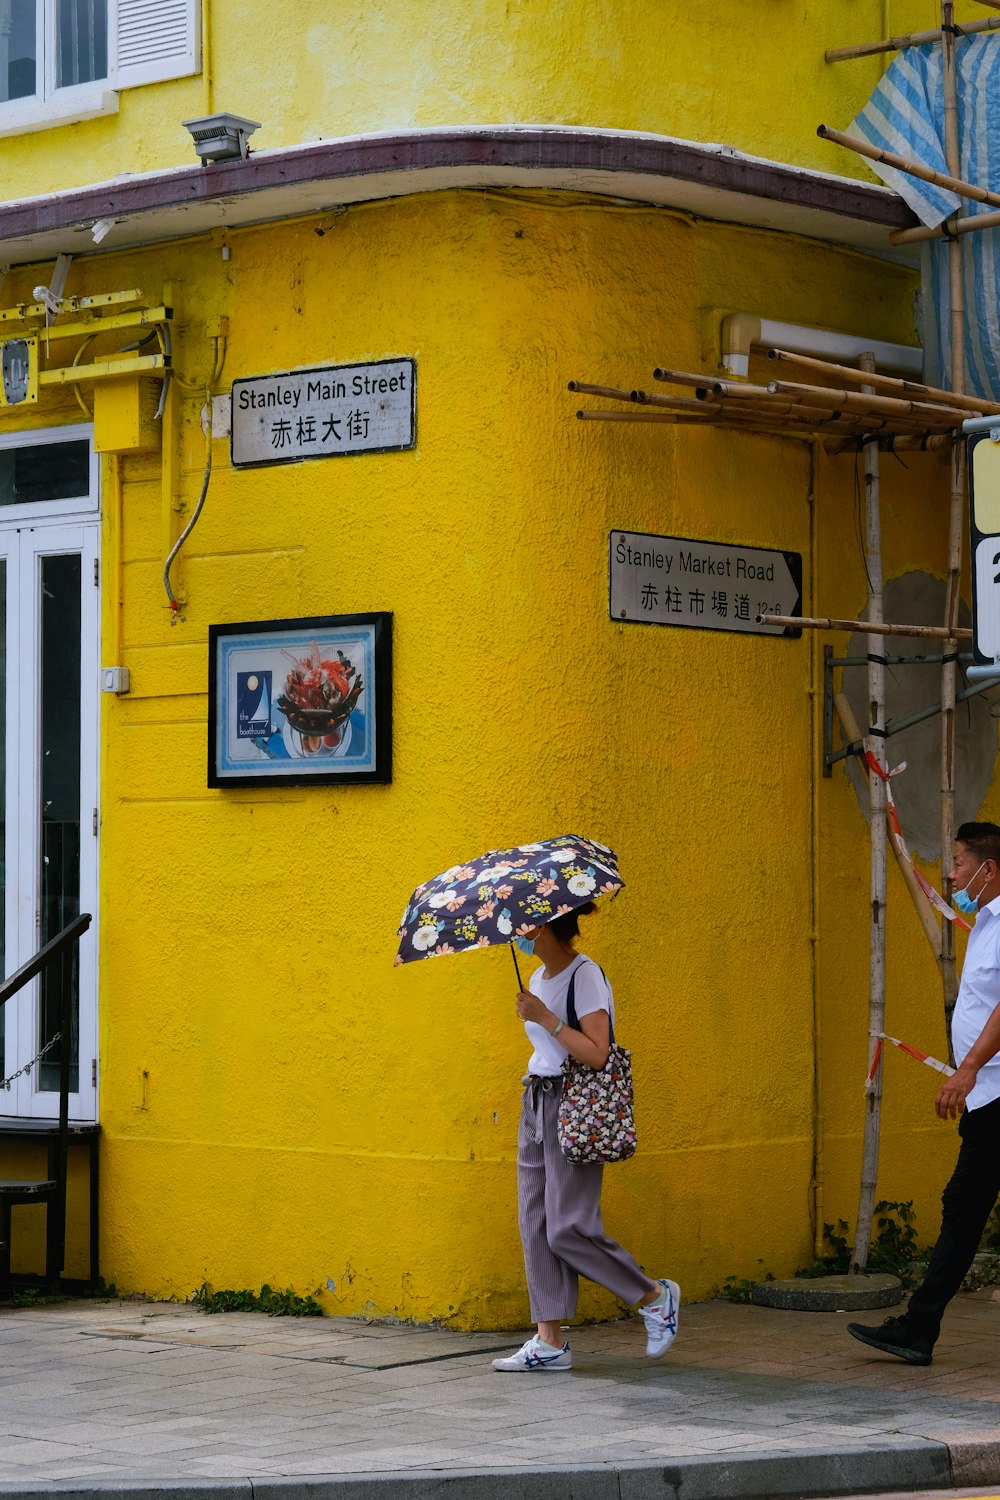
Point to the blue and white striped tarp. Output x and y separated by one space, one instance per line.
906 115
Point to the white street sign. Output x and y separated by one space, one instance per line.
280 419
987 621
672 580
984 525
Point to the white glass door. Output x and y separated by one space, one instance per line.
49 660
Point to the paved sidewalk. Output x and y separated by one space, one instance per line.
154 1398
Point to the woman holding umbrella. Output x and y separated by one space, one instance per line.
559 1203
534 894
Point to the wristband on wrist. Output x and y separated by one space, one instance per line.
556 1029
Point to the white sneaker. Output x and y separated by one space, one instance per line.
661 1320
534 1355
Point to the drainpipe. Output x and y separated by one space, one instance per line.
743 331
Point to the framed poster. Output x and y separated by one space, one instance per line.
300 701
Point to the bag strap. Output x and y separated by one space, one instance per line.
571 1016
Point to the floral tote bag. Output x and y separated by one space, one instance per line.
596 1118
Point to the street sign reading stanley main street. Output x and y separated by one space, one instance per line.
673 580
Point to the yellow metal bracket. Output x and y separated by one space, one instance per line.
104 369
22 376
26 312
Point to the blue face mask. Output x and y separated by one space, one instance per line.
525 945
966 903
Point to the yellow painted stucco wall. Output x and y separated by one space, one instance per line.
278 1103
754 78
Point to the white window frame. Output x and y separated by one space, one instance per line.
57 526
173 51
31 511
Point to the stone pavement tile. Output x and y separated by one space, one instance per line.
67 1470
31 1451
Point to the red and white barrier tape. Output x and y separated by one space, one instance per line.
934 897
881 1036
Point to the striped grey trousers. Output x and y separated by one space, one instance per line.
559 1215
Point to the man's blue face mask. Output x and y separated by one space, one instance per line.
966 903
525 945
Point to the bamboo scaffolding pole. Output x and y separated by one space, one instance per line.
949 674
664 418
954 183
800 433
644 398
877 874
928 921
903 442
681 377
709 408
766 413
868 407
613 391
776 408
863 401
683 403
765 405
832 622
888 383
762 426
909 39
867 423
944 231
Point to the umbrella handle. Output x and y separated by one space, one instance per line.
513 954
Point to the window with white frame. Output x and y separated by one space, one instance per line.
66 60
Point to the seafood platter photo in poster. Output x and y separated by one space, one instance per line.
300 701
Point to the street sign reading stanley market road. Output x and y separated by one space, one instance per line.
673 580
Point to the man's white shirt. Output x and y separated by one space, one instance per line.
978 997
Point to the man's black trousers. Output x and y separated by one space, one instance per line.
966 1204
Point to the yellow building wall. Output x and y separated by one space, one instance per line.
755 78
278 1103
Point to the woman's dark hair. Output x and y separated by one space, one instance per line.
567 927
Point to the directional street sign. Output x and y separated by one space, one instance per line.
984 521
673 580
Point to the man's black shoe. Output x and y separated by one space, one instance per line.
896 1336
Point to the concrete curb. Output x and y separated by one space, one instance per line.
911 1463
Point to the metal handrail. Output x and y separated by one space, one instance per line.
58 948
70 934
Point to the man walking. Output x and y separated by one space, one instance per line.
972 1096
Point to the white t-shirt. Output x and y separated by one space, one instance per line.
592 993
978 997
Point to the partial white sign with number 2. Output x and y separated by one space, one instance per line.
988 596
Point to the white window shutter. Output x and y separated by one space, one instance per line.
154 40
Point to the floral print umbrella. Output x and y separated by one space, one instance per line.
503 893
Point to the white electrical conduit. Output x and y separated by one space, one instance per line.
743 331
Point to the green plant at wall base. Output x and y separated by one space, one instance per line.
894 1248
838 1262
991 1234
33 1296
286 1304
984 1271
736 1289
893 1252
